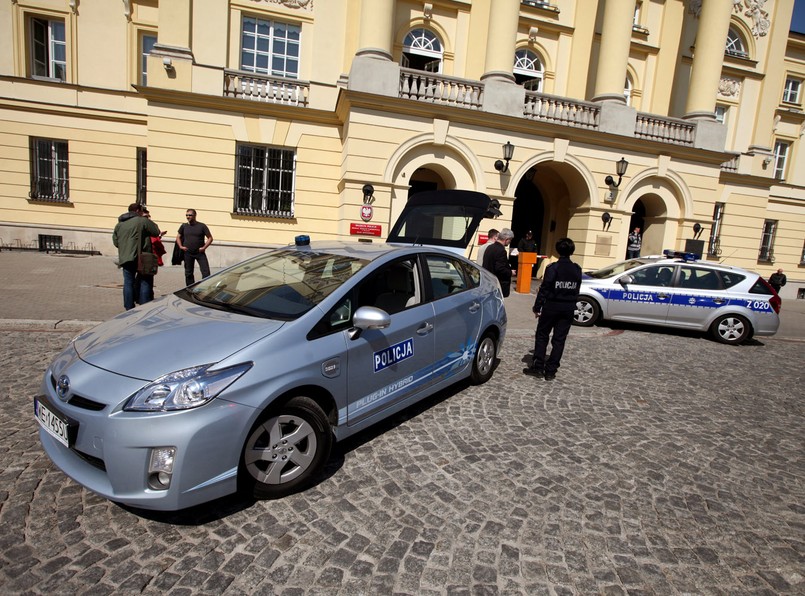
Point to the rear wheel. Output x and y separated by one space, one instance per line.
731 329
483 364
286 449
586 312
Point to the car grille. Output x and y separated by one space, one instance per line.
93 461
79 401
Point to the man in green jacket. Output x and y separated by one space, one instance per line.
132 235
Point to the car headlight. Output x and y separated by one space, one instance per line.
184 389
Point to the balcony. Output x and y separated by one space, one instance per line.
266 89
561 110
440 89
665 130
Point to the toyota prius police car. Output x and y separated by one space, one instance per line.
680 291
245 379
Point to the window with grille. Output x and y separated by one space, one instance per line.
265 181
146 46
142 175
270 47
766 252
791 91
422 50
48 49
780 159
49 172
735 45
714 245
528 70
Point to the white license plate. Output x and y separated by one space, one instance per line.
51 422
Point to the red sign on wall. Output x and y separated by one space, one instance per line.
364 229
483 239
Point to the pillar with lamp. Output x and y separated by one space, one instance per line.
620 170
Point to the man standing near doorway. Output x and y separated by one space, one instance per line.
634 244
496 261
193 239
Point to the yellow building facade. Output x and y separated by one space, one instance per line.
271 117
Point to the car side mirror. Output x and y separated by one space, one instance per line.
625 280
369 317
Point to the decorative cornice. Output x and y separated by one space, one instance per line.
303 4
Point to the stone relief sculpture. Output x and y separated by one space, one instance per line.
306 4
729 87
754 9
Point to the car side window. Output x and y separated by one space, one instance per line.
446 276
730 279
695 278
658 275
393 288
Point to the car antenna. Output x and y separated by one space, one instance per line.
729 257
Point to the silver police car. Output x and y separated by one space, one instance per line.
245 379
680 291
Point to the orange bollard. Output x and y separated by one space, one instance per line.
525 261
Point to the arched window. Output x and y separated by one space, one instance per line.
735 44
528 70
627 90
422 50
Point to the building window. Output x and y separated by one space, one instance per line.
49 172
48 49
721 114
146 45
422 50
802 258
270 47
627 90
528 70
265 181
791 91
714 245
766 252
735 44
781 149
142 175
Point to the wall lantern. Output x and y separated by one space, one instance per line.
620 169
697 227
606 217
508 152
368 194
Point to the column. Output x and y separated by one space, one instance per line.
708 57
376 29
504 16
613 52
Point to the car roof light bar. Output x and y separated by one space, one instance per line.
682 255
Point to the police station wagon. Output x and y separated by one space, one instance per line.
732 304
245 379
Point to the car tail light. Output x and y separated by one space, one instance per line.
775 301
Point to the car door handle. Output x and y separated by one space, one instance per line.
662 295
719 300
475 307
424 329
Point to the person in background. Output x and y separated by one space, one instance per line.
496 261
554 306
491 236
528 244
777 280
193 239
156 247
132 235
634 244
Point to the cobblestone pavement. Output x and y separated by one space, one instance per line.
655 463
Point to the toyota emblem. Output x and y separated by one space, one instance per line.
63 386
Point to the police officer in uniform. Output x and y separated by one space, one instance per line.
554 306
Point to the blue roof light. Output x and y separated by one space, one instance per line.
682 255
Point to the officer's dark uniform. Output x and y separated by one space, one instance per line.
556 301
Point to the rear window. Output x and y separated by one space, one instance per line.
761 287
615 269
731 278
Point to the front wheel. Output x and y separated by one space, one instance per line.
586 312
483 364
286 449
731 329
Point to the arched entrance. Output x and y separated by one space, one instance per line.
425 179
528 212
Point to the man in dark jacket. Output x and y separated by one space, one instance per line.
554 306
777 280
132 235
496 260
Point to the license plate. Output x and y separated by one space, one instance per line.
52 423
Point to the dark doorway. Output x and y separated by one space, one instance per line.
638 219
528 213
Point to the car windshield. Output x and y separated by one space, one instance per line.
282 284
616 269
